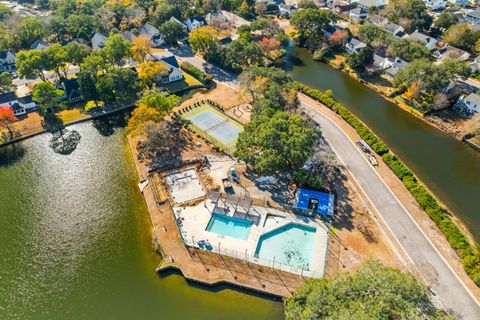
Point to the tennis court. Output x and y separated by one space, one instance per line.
214 126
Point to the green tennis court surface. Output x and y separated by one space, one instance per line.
214 126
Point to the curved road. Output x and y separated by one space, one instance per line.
441 279
437 273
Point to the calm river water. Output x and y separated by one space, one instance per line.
448 167
75 241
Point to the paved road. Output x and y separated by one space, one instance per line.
449 289
440 278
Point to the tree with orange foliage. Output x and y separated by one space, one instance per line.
268 45
6 118
141 116
149 71
339 38
141 48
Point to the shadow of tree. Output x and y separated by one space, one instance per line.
11 154
343 216
106 126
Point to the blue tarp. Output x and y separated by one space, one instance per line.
320 202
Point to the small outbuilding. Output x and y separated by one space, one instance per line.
315 201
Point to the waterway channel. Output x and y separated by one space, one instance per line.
449 168
75 240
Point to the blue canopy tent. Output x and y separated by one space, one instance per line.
316 201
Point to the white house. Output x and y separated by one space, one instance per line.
98 41
358 14
215 19
469 104
19 106
195 22
435 4
286 10
395 65
354 45
153 34
390 27
174 70
429 42
366 4
7 61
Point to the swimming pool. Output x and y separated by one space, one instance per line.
229 226
290 245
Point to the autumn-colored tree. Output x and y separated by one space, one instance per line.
141 48
6 118
413 90
339 38
159 101
203 39
149 71
269 45
141 116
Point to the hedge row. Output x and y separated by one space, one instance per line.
469 254
363 131
196 73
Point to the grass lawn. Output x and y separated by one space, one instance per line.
187 82
70 115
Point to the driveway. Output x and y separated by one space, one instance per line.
435 271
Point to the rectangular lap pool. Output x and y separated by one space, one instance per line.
229 226
290 245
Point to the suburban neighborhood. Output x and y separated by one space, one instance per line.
264 159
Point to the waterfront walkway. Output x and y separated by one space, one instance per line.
435 271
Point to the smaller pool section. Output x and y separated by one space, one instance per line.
290 245
229 226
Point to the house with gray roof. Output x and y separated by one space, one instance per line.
98 41
366 4
469 104
449 52
429 42
7 61
153 34
355 45
473 17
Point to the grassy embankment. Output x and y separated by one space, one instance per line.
469 253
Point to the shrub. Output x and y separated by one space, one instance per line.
196 73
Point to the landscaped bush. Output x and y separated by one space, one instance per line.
196 73
469 253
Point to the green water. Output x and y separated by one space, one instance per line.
448 167
75 241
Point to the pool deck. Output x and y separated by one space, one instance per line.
201 266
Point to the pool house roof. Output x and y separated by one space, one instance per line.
315 201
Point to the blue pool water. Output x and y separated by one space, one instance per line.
229 226
290 245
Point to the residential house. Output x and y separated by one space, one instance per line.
173 19
20 106
380 63
225 41
396 65
435 4
39 45
473 17
366 4
71 90
459 3
153 34
429 42
354 45
377 20
127 35
358 14
234 19
7 61
174 70
98 41
216 19
286 10
340 6
394 29
330 29
469 104
475 64
449 52
195 22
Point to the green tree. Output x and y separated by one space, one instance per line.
242 53
276 141
48 98
30 64
268 88
375 36
407 50
372 292
116 49
159 101
88 87
172 32
410 14
56 57
7 40
76 53
307 4
5 12
358 61
118 87
30 29
57 28
462 36
82 25
6 84
311 23
445 20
